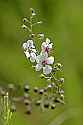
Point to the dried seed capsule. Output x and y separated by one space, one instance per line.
56 100
27 102
2 92
29 110
24 26
45 89
26 88
26 95
38 102
41 91
11 86
53 106
36 89
62 97
13 108
42 76
25 19
46 104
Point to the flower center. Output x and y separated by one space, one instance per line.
44 62
46 49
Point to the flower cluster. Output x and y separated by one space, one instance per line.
44 62
41 60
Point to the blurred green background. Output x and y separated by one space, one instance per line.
63 23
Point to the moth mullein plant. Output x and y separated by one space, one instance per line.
45 63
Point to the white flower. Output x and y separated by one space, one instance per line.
43 61
24 46
38 67
28 45
47 45
50 60
47 69
31 55
27 54
30 50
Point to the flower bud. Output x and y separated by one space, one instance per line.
25 19
24 26
42 76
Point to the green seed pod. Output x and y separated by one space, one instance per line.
24 26
42 76
25 19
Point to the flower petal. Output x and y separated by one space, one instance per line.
50 60
47 69
38 59
32 57
27 54
30 44
50 45
38 67
25 46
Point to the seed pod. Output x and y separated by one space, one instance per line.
25 19
59 65
61 80
41 91
36 89
24 26
53 106
13 108
46 104
38 102
26 88
11 87
28 110
27 102
2 92
56 100
45 89
49 86
26 95
62 97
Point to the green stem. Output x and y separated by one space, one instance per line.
53 77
